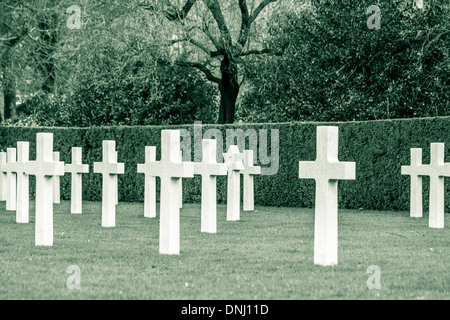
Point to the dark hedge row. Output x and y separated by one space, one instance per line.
379 148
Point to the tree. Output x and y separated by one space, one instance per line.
338 69
216 39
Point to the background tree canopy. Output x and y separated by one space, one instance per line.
336 68
173 62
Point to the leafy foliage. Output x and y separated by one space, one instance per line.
336 68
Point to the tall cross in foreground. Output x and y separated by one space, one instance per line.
326 170
170 169
44 168
436 170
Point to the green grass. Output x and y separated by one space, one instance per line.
268 254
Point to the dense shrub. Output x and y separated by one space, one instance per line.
379 149
335 68
131 96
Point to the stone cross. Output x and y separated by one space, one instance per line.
44 168
248 172
19 168
233 160
11 179
436 170
109 169
150 182
209 169
326 170
76 168
181 184
170 169
56 182
3 176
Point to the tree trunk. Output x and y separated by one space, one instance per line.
9 87
9 98
229 90
46 49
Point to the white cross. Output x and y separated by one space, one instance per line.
56 182
150 182
170 169
436 170
22 186
44 168
248 172
326 170
76 168
11 179
209 169
3 176
233 160
109 169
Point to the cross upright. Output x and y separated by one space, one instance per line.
415 197
11 179
19 168
209 169
170 169
326 170
56 182
234 161
76 168
44 168
248 172
3 176
150 182
436 170
109 169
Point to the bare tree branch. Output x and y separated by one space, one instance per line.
172 13
258 10
216 11
200 66
245 23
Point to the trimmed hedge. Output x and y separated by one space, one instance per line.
379 149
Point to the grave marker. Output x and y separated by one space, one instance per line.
22 185
3 176
44 168
436 170
248 172
170 169
109 169
76 168
11 179
56 182
209 169
150 182
326 170
233 160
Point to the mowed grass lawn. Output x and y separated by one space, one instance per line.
268 254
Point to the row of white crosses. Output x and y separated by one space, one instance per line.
47 168
171 170
436 170
326 170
